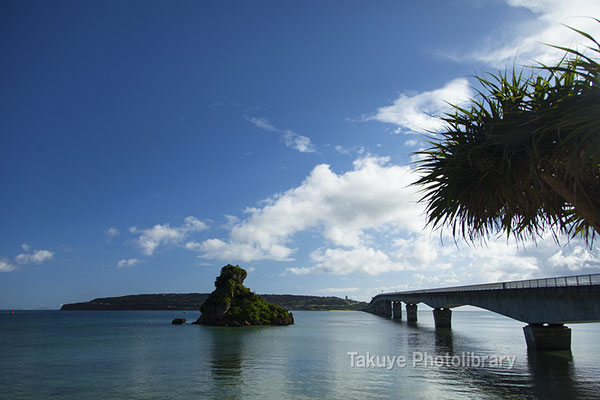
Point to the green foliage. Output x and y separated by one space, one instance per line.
523 157
233 304
230 273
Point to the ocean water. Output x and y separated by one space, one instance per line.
140 355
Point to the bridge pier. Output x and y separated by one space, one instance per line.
550 337
378 308
442 317
411 312
396 309
383 308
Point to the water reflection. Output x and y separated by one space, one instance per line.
225 361
247 362
534 375
226 352
314 366
444 341
553 374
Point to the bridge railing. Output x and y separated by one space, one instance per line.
561 281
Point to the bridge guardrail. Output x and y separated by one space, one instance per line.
561 281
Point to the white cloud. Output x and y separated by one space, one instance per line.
5 266
342 206
151 238
578 259
338 261
354 150
35 257
436 265
231 221
496 261
216 248
337 290
343 150
418 251
262 123
445 279
526 40
129 262
26 247
289 137
111 233
298 142
371 223
420 113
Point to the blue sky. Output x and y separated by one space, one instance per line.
145 144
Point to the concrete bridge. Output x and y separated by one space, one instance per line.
546 305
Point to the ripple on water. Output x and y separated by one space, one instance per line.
140 355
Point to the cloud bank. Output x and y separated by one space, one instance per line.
527 41
369 222
343 207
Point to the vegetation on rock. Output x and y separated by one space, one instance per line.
233 304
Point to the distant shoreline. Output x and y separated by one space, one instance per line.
192 302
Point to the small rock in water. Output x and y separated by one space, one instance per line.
179 321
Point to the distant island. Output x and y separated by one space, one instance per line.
193 301
233 304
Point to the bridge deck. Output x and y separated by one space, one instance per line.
548 300
561 281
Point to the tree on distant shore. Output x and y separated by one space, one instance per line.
523 157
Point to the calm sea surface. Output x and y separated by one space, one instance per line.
140 355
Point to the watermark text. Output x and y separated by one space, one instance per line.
426 360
